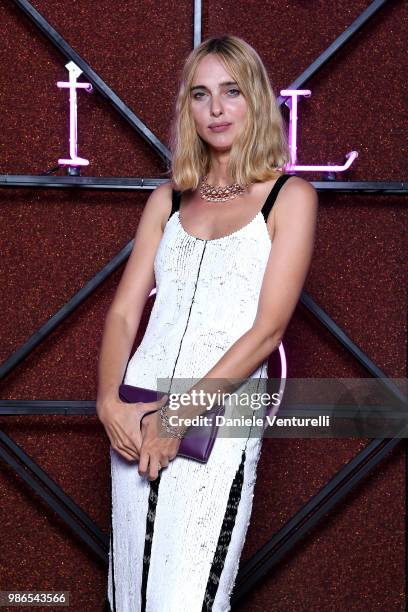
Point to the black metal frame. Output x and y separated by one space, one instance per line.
255 569
139 183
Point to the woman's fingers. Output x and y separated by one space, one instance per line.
123 428
122 442
125 454
143 463
129 435
149 465
154 469
129 450
125 450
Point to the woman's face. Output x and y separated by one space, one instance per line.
216 99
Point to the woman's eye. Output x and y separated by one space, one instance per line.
234 92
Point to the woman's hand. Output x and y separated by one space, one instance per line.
121 421
158 448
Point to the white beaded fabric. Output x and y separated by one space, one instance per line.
207 297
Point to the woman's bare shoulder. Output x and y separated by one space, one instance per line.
297 200
160 202
164 190
299 184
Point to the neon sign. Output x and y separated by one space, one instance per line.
72 85
292 104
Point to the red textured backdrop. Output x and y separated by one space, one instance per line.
53 241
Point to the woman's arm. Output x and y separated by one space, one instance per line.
285 274
124 314
284 277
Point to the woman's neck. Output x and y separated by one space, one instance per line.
218 173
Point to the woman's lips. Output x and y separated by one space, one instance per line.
220 128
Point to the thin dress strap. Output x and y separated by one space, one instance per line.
270 200
175 200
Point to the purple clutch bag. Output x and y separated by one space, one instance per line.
197 447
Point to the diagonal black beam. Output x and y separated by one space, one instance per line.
266 559
146 184
65 311
60 43
350 345
54 496
336 45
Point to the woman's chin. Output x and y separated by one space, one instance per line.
220 147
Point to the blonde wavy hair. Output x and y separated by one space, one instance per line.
261 151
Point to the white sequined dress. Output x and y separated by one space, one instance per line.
176 542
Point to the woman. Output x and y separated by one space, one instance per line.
224 299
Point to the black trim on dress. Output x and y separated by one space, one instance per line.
151 514
224 537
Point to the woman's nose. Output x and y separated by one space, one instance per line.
216 106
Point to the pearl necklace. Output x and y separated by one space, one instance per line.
211 193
